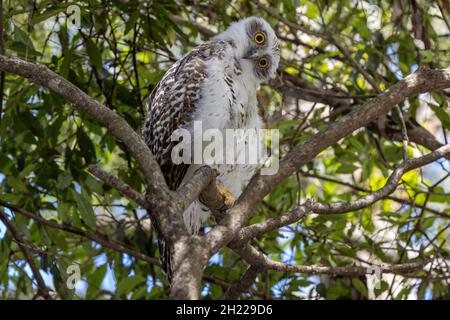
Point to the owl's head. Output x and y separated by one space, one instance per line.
256 46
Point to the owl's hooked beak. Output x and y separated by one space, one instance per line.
253 53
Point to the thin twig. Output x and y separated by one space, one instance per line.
43 291
405 138
119 185
246 281
257 258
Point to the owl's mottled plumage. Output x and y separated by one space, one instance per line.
216 84
172 103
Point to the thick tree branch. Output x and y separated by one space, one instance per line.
166 207
194 187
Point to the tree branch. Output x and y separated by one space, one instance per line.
192 189
388 188
120 186
43 291
396 199
203 30
257 258
165 204
100 239
116 125
258 229
246 281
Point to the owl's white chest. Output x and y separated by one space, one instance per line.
228 101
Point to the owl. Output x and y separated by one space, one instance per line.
214 84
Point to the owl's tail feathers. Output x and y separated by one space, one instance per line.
196 216
165 257
165 254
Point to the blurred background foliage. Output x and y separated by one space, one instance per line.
335 56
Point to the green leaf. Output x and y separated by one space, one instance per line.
84 205
361 27
360 286
128 284
86 146
427 56
63 211
441 114
23 37
346 168
64 180
367 222
95 57
49 13
95 281
17 184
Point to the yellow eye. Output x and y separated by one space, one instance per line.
259 38
263 63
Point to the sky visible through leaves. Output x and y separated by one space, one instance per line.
119 54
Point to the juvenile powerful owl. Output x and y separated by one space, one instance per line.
215 84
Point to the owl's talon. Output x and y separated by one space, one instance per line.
227 196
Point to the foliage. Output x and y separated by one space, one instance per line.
121 52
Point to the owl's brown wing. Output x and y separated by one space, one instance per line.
172 103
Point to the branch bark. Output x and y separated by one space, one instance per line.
257 258
396 199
